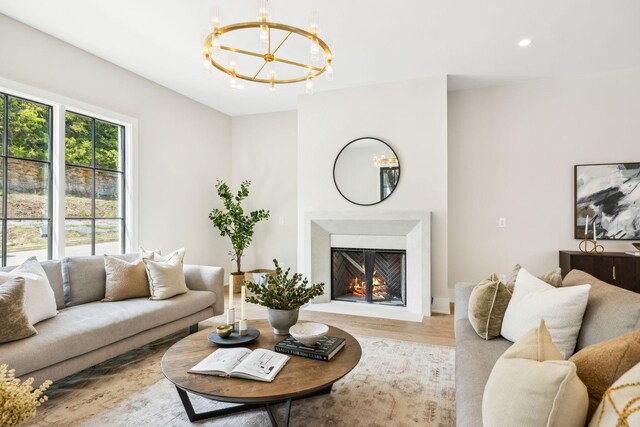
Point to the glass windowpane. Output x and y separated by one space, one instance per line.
78 146
107 145
1 117
108 236
28 189
77 235
107 194
28 129
78 191
1 194
26 239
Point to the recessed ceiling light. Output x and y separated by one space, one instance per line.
524 42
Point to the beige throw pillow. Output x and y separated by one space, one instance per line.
554 277
39 299
530 385
620 404
166 279
487 305
600 365
125 280
14 322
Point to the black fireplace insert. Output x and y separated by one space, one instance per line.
374 276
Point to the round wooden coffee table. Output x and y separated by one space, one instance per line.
301 377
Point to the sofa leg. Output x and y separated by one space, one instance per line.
193 329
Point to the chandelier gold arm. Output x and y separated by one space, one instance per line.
244 25
274 51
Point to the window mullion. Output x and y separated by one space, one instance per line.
5 132
57 217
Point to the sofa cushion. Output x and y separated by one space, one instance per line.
14 322
487 304
125 280
531 385
600 365
475 358
619 407
53 269
39 299
561 308
84 278
611 311
554 277
82 328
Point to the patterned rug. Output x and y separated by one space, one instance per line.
396 383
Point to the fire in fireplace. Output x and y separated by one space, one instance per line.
375 276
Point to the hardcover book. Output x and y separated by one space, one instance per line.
259 364
326 348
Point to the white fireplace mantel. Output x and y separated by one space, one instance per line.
411 229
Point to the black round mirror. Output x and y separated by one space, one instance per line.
366 171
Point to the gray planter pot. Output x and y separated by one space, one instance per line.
282 320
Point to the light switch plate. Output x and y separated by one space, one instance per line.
502 222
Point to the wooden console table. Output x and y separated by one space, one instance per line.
616 268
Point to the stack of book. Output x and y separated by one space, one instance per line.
325 349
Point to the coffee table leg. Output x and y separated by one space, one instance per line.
196 416
193 416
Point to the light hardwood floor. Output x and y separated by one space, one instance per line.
437 329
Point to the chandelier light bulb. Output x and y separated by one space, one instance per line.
329 70
215 46
272 87
233 82
315 51
264 37
206 63
310 85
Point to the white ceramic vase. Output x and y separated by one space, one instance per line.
282 320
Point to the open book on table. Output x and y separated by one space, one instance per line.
259 364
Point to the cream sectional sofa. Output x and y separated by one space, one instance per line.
87 331
611 312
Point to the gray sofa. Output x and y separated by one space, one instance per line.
611 312
86 331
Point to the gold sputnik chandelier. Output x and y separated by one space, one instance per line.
271 38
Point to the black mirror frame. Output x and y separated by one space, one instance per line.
335 162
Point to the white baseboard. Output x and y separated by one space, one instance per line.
441 305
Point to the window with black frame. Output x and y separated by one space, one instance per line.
94 186
25 217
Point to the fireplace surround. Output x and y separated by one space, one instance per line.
402 230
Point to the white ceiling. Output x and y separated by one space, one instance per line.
473 41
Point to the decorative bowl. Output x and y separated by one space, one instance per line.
636 245
308 333
224 330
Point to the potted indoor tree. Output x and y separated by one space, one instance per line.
283 295
231 221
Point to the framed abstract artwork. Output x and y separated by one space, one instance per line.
607 195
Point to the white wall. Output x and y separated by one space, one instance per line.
511 154
412 118
264 151
183 145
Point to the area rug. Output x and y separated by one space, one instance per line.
396 383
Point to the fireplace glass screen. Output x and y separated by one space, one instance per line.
375 276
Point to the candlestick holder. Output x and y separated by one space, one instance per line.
242 327
231 314
589 246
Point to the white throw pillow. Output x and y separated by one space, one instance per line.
530 385
561 308
619 405
39 299
166 278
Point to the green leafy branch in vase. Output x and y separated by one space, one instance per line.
283 292
232 221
